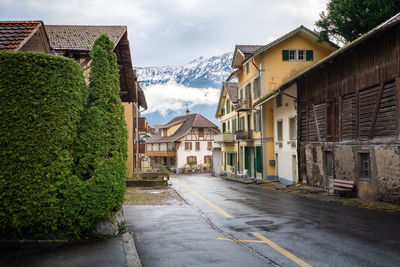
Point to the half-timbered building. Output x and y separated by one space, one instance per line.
349 115
184 142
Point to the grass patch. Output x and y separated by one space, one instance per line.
355 202
139 196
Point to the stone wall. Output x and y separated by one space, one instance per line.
384 183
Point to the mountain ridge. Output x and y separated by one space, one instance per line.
199 73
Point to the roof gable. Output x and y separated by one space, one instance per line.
242 53
14 34
189 121
229 89
81 37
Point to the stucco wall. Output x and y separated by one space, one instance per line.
182 154
286 169
129 117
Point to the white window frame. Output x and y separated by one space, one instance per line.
296 54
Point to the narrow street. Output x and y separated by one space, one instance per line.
223 223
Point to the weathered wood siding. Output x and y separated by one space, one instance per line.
354 97
349 106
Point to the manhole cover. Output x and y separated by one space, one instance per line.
259 222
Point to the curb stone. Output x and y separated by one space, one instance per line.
131 255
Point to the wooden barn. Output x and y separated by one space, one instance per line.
349 115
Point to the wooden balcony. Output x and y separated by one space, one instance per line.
143 125
224 138
244 135
161 153
243 104
142 148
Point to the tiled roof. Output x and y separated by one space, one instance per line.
189 121
81 37
248 49
232 90
13 34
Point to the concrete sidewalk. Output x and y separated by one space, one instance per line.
117 251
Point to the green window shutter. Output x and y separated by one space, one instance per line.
285 55
234 126
258 159
259 120
255 121
223 127
309 55
229 125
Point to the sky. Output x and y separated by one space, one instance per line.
174 32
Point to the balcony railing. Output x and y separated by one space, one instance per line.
243 104
224 138
244 135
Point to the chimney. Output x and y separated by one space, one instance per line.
187 111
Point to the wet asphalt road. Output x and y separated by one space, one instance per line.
232 224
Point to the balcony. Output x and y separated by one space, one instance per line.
142 149
243 104
244 135
161 153
142 123
224 138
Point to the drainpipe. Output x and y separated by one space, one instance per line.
262 78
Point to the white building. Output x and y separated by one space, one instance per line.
285 135
184 142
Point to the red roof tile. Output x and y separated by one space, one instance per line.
81 37
13 34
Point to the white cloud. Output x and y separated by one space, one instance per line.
171 96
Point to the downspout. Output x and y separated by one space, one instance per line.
262 71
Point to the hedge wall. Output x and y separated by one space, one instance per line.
41 100
46 134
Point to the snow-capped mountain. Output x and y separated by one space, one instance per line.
200 73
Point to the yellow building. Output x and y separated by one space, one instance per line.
260 70
228 116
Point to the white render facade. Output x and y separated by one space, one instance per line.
285 136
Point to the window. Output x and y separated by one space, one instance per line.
256 88
247 91
292 128
328 163
191 160
223 127
364 168
223 112
201 132
149 148
229 125
301 55
208 160
155 147
257 120
297 55
197 145
247 68
279 129
228 106
234 125
278 100
241 93
241 123
209 144
292 54
188 145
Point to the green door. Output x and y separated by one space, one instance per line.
247 160
258 159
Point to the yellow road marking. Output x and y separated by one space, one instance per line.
265 240
205 200
282 250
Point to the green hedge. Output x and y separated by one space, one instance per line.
41 101
62 165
